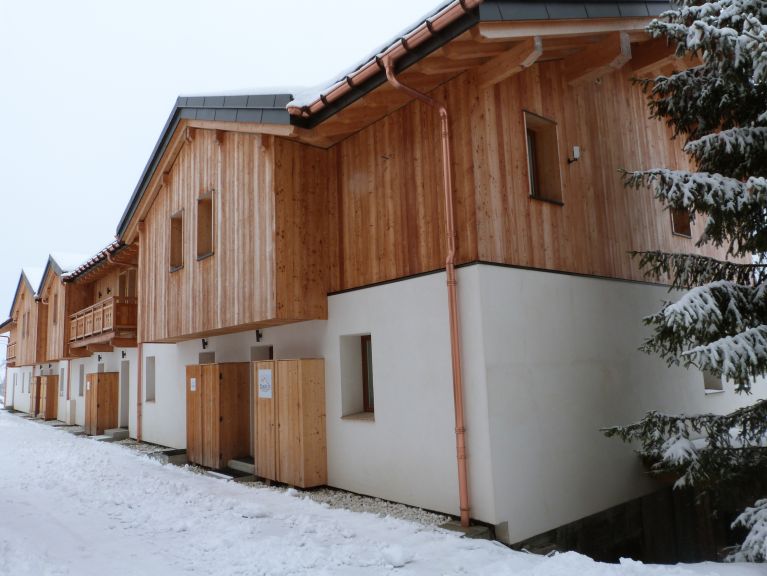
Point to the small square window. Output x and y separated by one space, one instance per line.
543 168
680 222
81 381
61 382
367 373
205 226
712 383
177 241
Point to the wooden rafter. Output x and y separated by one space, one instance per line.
521 56
606 56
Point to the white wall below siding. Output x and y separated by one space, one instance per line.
562 362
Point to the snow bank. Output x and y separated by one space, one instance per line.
74 506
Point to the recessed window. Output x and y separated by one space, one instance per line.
206 358
205 225
543 169
61 382
149 379
357 395
177 241
55 308
367 373
680 222
712 383
81 381
264 352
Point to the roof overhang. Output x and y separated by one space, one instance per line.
282 115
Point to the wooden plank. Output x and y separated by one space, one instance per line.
264 422
599 59
289 407
194 414
648 58
210 416
314 467
521 56
91 417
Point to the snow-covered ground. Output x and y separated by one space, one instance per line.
70 505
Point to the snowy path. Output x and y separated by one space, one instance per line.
73 506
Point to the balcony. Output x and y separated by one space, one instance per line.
10 355
111 322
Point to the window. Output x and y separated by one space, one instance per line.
357 397
680 222
205 225
261 353
55 308
367 373
206 358
126 284
81 381
543 168
100 368
61 382
712 383
149 379
177 241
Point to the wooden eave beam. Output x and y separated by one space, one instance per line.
521 56
504 31
598 59
651 56
468 50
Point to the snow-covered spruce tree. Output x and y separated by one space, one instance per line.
719 324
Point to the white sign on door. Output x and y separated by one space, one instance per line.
264 383
193 384
87 385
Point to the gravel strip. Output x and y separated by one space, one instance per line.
335 498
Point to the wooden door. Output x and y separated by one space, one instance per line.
53 391
233 402
91 381
211 453
34 399
264 422
313 446
43 387
107 394
288 407
194 414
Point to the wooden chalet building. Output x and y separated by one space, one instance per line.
297 227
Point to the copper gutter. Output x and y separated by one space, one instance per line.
139 383
452 292
418 36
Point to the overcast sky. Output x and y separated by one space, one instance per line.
86 87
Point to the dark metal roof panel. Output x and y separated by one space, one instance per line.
510 10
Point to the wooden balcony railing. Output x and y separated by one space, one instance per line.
11 352
113 315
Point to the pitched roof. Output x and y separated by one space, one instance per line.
309 107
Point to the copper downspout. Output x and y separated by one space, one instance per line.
452 293
139 391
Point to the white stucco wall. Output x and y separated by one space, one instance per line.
562 362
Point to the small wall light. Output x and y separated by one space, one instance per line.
259 335
204 343
99 357
124 353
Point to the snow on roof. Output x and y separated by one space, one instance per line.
312 94
68 261
34 275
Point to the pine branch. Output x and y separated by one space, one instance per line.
689 270
736 152
736 210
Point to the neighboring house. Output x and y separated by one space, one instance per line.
26 326
313 226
